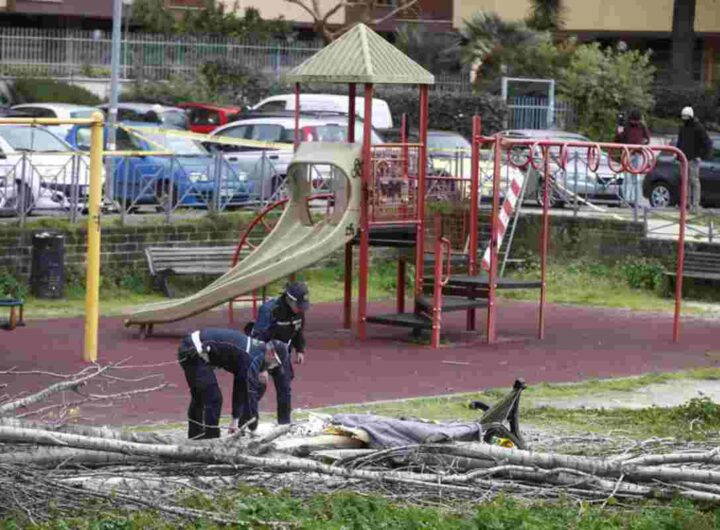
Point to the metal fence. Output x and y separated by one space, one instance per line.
526 112
68 53
58 52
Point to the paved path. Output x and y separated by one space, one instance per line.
580 343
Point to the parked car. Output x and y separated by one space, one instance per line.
35 159
662 185
56 110
381 116
169 117
272 162
578 181
188 177
206 118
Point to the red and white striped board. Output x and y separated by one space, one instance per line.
505 214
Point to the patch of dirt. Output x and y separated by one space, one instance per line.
667 394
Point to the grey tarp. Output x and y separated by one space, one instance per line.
392 432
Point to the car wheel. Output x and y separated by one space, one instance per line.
661 196
166 194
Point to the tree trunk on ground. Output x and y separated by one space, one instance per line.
683 41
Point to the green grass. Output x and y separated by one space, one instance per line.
351 511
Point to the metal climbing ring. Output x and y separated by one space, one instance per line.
611 164
564 156
531 156
594 156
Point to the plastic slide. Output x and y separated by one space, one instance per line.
294 244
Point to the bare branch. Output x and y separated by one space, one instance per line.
57 387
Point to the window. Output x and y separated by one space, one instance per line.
266 133
38 112
204 117
241 131
273 106
175 119
32 139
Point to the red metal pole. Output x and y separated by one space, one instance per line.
365 213
351 113
231 315
681 247
401 284
474 193
347 301
544 238
494 225
420 234
437 286
297 115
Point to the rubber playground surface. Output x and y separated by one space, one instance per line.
580 343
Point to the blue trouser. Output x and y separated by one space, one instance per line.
205 399
283 379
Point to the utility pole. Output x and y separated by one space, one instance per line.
114 74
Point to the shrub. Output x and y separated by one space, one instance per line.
41 90
10 286
669 101
602 82
643 274
448 111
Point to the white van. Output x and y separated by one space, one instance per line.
381 118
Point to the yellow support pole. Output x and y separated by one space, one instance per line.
92 295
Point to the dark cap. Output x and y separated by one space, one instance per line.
297 293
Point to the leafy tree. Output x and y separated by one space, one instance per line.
546 15
602 82
489 39
437 52
152 16
683 41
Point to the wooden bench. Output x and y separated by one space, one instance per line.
700 266
16 319
165 262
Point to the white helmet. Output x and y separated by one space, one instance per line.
687 112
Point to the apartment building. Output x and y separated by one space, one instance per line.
641 23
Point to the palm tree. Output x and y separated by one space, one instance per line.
683 41
546 15
486 36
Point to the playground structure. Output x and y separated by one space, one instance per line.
379 199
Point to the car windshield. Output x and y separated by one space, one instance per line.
330 132
82 113
176 144
447 141
32 139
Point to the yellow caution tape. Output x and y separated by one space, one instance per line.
225 140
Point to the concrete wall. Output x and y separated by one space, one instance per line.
597 15
602 240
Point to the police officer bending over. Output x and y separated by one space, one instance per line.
203 351
283 319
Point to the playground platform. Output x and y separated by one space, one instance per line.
580 343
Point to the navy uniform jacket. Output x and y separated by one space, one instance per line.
238 354
277 321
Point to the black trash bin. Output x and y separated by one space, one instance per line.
47 277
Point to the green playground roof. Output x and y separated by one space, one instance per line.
360 56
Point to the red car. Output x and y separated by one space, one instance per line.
205 118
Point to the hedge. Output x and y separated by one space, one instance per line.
670 100
449 112
41 90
